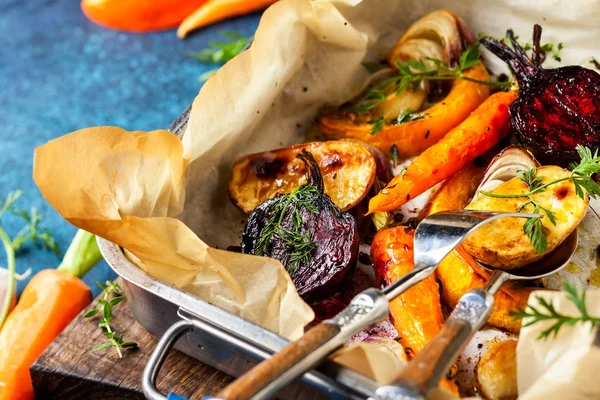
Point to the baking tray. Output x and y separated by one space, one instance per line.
214 336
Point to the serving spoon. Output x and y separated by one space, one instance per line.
424 372
435 237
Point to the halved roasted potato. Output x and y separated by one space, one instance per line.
348 168
497 371
503 243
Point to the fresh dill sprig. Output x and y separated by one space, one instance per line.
547 312
220 51
32 231
411 74
111 296
581 176
299 246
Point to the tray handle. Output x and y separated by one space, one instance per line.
158 357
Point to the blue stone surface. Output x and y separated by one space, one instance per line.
59 72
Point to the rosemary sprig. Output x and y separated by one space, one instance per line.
581 176
221 51
32 231
111 296
298 245
546 312
411 74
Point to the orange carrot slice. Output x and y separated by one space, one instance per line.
416 313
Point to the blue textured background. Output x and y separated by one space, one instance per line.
59 72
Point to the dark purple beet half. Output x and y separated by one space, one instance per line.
557 109
310 213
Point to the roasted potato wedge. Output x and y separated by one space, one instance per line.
348 169
497 371
459 272
503 243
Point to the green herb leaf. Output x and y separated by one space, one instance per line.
547 312
394 155
102 346
91 313
221 52
409 115
110 298
535 232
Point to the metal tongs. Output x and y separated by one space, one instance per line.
435 237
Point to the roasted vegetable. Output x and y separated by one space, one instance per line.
457 276
348 169
473 137
315 241
506 243
439 28
456 191
412 137
458 273
497 371
417 313
557 109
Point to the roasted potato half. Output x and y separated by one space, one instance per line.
497 371
348 168
503 243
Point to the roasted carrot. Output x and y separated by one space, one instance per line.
457 275
411 138
218 10
48 304
417 313
139 15
473 137
459 272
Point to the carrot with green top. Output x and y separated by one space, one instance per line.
51 300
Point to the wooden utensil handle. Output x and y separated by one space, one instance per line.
253 381
431 364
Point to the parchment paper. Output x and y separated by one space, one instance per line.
166 202
564 367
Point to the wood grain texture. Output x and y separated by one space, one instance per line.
68 369
266 372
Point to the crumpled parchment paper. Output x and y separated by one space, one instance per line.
165 200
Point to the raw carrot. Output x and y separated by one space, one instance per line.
417 313
474 136
51 300
218 10
139 15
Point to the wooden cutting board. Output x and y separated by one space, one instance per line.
69 369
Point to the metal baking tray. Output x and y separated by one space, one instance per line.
214 336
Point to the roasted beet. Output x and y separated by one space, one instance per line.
557 109
315 241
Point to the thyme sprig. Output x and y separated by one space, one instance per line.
547 312
299 246
221 51
111 296
31 232
581 176
410 75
